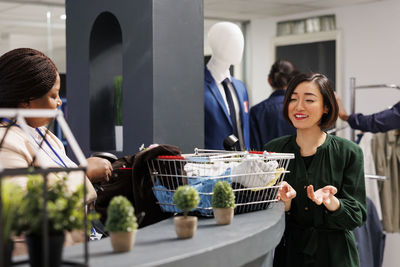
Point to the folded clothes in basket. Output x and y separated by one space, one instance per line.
251 171
255 172
203 184
209 169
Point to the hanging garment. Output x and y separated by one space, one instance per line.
386 152
371 185
370 239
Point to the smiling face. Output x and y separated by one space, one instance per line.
306 106
51 100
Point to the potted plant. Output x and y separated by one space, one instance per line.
186 199
11 196
223 202
121 223
64 213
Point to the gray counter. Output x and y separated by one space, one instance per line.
248 241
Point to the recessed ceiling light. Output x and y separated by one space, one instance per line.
63 17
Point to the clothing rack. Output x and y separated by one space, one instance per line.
377 177
353 89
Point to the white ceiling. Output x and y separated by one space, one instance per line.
247 9
29 16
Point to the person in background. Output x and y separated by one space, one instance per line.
323 193
266 119
30 80
382 121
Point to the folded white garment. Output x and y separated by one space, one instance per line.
249 172
254 172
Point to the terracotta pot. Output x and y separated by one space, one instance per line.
223 215
185 227
122 241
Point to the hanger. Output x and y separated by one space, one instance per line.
334 130
377 177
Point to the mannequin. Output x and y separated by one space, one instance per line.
227 44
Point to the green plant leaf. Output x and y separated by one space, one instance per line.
120 215
186 198
65 209
223 196
11 195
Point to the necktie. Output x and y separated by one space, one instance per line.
231 106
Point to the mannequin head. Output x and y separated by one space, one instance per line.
226 42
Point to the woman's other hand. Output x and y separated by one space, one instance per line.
286 193
324 195
98 169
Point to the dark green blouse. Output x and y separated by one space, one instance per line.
313 235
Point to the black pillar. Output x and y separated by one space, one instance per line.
157 47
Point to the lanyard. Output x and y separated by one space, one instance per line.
62 164
10 121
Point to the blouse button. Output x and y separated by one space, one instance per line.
306 208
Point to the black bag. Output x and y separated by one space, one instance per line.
142 185
120 183
131 178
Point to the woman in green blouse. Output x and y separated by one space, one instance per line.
324 193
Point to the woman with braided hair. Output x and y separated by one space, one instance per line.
266 119
30 80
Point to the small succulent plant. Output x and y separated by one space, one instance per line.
223 196
121 215
186 198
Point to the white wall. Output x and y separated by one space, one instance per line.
370 52
40 42
58 55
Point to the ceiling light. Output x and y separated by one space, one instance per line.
63 17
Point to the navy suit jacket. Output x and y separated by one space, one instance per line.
267 121
217 122
383 121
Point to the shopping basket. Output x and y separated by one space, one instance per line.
254 177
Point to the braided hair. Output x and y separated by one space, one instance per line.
282 71
25 74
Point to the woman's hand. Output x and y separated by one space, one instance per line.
342 111
286 193
324 195
98 169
